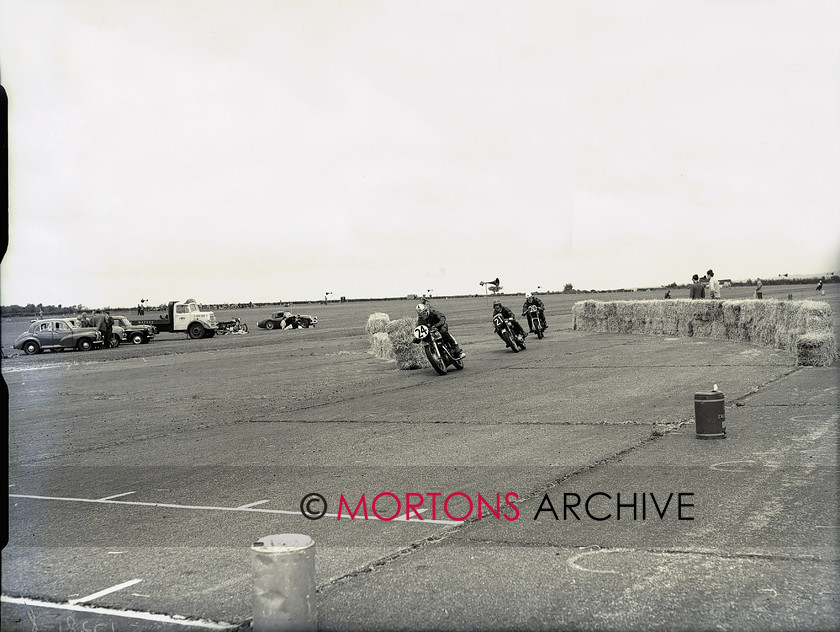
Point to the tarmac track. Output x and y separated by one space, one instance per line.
163 462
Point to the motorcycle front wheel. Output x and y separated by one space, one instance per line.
435 360
509 341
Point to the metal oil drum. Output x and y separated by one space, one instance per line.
709 415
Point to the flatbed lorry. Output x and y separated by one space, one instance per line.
184 316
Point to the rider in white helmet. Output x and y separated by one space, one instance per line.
530 299
431 317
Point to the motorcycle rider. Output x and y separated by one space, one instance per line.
530 299
508 314
432 317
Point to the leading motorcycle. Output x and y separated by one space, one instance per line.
440 354
505 330
534 321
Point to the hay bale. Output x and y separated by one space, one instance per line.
407 354
818 349
772 323
381 347
376 323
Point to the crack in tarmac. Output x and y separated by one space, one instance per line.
450 531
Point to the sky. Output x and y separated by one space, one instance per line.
274 150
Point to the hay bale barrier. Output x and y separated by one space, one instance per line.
391 340
802 327
408 355
381 347
380 343
377 323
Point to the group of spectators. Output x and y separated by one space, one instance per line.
101 321
698 286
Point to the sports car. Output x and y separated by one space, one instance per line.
287 320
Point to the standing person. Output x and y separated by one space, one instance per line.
714 285
758 293
698 290
109 330
819 285
84 321
508 314
530 299
431 317
101 323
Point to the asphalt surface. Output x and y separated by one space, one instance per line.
139 477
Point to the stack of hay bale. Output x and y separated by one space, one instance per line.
802 327
380 343
391 340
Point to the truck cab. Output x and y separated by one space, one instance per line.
185 316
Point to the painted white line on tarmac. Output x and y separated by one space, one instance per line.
104 592
259 502
117 496
126 614
137 503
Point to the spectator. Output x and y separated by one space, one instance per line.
758 293
101 323
109 330
698 290
819 285
667 293
714 285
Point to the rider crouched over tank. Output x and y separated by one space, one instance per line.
508 314
433 318
530 299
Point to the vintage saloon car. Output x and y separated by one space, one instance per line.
58 334
135 334
283 320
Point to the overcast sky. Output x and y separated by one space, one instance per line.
259 151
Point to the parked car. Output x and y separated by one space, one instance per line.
117 332
135 334
57 334
282 320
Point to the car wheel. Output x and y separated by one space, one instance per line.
85 344
269 325
136 338
31 348
115 341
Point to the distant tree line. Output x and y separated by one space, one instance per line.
61 310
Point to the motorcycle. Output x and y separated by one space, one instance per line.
234 326
534 322
439 353
505 330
